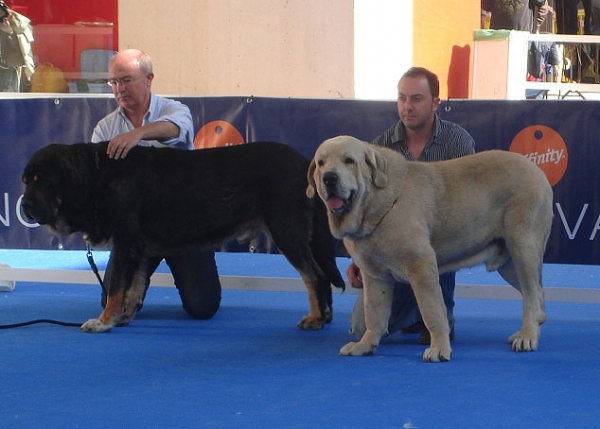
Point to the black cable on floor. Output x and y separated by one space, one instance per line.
90 258
32 322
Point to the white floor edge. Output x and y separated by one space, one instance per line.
463 291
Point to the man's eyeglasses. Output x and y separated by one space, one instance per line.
124 81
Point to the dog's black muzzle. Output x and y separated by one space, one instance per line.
28 208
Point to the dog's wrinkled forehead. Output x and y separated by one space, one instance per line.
30 174
33 171
339 148
47 162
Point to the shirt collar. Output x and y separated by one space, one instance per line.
400 136
147 116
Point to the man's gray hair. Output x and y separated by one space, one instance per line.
142 58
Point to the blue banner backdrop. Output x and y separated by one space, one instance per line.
560 136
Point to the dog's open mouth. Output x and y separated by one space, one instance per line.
340 205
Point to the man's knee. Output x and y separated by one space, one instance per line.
202 309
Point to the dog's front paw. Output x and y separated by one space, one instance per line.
95 325
311 323
437 354
523 343
358 349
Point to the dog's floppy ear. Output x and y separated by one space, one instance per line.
310 190
378 165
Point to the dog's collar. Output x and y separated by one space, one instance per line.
386 213
368 228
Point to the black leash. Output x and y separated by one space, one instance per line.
90 258
92 263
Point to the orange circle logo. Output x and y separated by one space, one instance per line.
544 147
217 134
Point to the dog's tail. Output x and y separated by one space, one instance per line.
322 244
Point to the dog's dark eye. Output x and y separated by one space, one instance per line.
320 163
27 180
348 160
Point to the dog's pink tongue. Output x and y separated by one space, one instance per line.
335 203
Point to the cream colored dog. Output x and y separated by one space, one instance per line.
409 221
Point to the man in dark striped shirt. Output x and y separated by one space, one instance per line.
420 135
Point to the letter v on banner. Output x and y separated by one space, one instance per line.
570 233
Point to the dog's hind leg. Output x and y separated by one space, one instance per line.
320 311
294 245
525 276
319 292
423 277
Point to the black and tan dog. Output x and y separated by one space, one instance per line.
159 200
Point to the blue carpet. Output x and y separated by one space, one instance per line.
250 367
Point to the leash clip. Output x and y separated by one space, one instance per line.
90 258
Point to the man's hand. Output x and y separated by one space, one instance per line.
120 146
160 131
353 274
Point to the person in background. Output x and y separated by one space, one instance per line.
16 58
524 15
419 135
145 119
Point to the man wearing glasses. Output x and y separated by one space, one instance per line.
146 119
